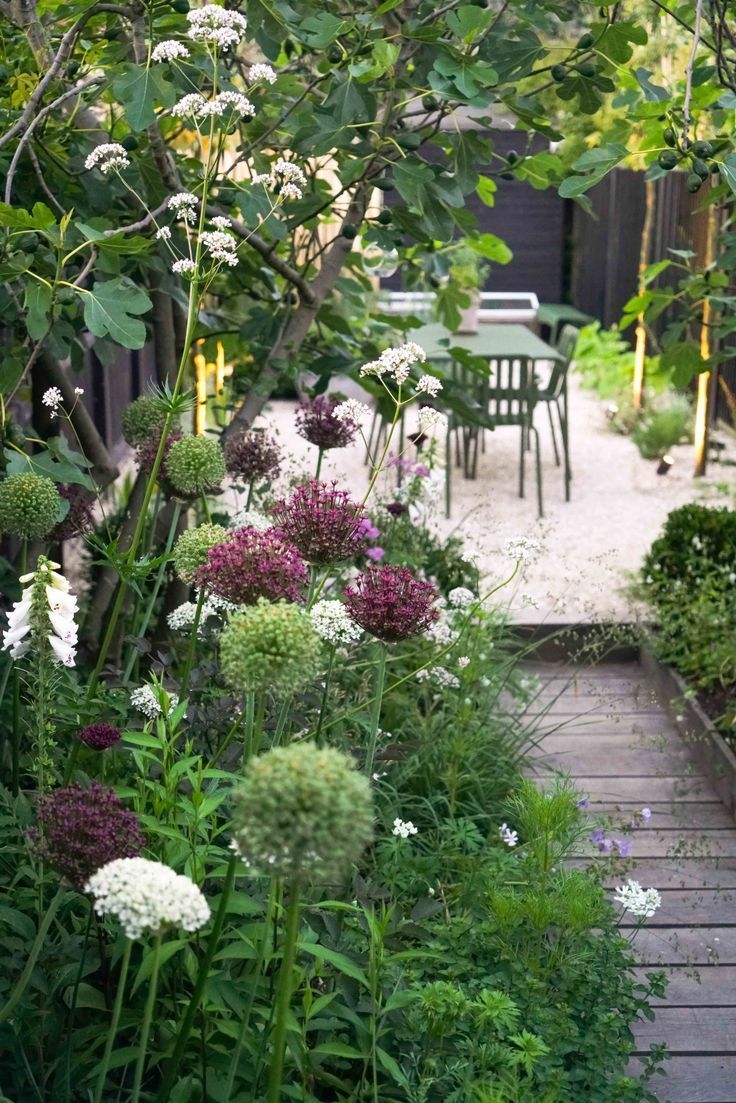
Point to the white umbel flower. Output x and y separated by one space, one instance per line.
147 897
216 26
461 597
429 384
53 398
44 614
352 410
107 157
221 246
431 421
396 362
404 828
169 50
333 623
521 548
184 267
642 903
146 700
183 203
250 519
286 176
263 73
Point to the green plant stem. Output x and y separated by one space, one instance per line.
192 649
206 508
148 613
202 976
73 1004
281 721
320 457
24 979
283 996
376 712
325 692
15 741
114 1021
147 1019
257 971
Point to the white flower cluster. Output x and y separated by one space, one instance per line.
250 519
461 597
169 50
642 903
184 267
431 420
53 398
221 222
286 176
508 836
182 618
184 205
396 362
46 608
163 234
221 246
441 632
352 410
107 158
333 623
146 700
404 828
197 106
463 662
429 384
146 897
439 676
521 548
216 25
261 72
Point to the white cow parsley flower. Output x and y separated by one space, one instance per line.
461 597
147 897
184 267
642 903
352 410
221 246
53 398
163 234
169 50
521 548
333 623
108 157
286 176
439 676
221 222
404 828
148 701
217 26
261 72
184 205
463 661
429 384
431 420
396 362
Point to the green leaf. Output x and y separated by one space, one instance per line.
38 305
486 190
128 244
11 369
491 247
467 22
601 159
655 93
166 952
322 29
338 1049
728 171
342 963
617 40
40 218
138 88
574 186
683 360
391 1066
108 308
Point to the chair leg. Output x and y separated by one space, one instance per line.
521 461
564 430
540 506
552 431
448 471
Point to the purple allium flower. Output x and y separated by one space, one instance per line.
391 604
316 422
100 736
396 509
146 453
79 519
252 564
81 829
375 553
324 523
252 455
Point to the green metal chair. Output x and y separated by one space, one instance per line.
555 395
505 394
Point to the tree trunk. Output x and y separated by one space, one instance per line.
645 249
706 379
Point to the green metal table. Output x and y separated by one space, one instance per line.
492 341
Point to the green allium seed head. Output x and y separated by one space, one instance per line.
142 420
302 813
195 464
269 645
190 550
29 505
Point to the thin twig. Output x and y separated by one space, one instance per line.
686 118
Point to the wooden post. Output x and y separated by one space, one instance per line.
706 379
640 350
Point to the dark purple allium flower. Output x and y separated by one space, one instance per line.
252 564
324 523
100 736
80 829
396 509
316 422
79 519
252 455
391 604
146 453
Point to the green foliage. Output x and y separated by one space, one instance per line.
666 421
30 505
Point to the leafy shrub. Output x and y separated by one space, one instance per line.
666 422
696 539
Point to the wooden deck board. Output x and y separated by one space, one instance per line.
608 732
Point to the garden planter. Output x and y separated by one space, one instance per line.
470 317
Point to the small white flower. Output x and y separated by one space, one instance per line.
439 676
217 26
182 618
79 391
236 101
396 362
404 828
52 398
431 420
44 614
184 267
251 519
461 597
169 50
221 246
333 623
352 410
286 176
221 222
508 836
184 205
429 384
147 897
642 903
107 157
163 234
146 700
521 548
463 661
261 72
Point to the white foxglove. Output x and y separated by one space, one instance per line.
45 612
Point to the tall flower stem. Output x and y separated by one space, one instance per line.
192 649
15 741
202 976
283 995
379 685
24 979
148 613
147 1019
73 1003
320 457
325 692
114 1021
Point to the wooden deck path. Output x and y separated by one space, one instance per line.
611 735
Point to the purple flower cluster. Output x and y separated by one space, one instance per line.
324 523
81 829
391 604
252 455
250 565
316 422
619 847
79 518
100 736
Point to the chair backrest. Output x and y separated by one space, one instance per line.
566 344
567 340
505 396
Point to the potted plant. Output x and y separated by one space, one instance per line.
468 273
